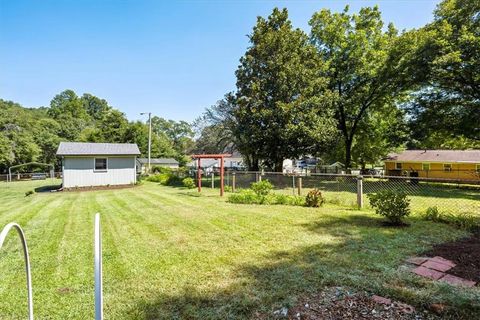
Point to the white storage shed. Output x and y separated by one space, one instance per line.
97 164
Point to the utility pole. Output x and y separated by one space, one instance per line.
149 137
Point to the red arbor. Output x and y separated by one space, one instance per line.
220 157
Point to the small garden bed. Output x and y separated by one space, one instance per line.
465 253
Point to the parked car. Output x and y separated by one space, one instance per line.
39 176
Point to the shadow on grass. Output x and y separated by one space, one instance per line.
364 257
48 188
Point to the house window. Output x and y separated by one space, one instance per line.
100 164
398 165
447 167
426 166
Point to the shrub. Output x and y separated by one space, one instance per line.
173 180
160 169
261 188
29 193
246 196
462 220
314 198
392 205
157 178
227 189
167 179
188 183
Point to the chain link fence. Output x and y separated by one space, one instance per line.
21 176
448 196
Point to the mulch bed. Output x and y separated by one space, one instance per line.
465 253
340 303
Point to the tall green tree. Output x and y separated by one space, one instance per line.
365 68
276 105
94 106
448 104
137 132
68 109
218 129
179 132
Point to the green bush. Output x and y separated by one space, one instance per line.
248 196
245 196
188 183
392 205
160 177
462 220
29 193
160 169
173 180
167 179
262 188
314 198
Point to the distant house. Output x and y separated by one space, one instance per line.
443 164
142 163
336 167
97 164
235 162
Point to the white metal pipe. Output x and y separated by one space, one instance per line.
3 235
98 270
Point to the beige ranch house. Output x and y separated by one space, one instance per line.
97 164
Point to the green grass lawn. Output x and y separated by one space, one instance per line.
170 253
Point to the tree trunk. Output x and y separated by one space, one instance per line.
348 155
278 166
253 165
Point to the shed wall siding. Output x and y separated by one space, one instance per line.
79 172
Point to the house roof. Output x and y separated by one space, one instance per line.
472 156
92 149
158 160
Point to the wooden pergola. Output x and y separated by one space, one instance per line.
220 158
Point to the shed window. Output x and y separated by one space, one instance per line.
100 164
447 167
426 166
398 165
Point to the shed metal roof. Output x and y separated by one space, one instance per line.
92 149
471 156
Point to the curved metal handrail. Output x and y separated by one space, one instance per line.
3 235
98 270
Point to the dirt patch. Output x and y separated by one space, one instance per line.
465 253
340 303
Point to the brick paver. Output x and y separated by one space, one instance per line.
417 260
443 260
428 273
457 281
433 264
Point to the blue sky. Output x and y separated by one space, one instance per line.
171 58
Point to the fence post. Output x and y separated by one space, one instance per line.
233 181
98 269
213 180
293 184
299 184
260 177
360 192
